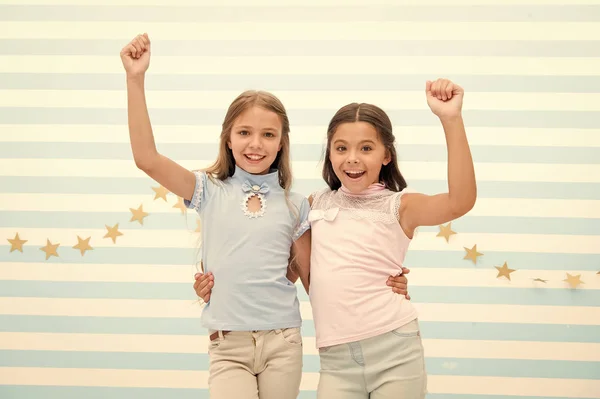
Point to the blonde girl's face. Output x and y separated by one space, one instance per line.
255 140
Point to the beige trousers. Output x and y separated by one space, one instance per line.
256 364
388 366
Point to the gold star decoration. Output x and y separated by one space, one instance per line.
50 249
504 271
83 245
113 233
573 281
199 225
539 280
180 205
446 231
138 214
16 244
161 192
472 254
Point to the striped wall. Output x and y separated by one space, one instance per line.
120 320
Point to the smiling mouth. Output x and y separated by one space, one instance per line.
354 174
253 158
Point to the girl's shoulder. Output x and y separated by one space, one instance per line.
317 197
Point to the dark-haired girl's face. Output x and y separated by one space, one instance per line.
357 155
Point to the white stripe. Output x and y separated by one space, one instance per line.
329 100
488 171
434 348
452 384
289 3
420 30
35 202
423 241
432 135
439 312
309 65
427 277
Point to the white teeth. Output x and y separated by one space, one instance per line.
354 172
255 157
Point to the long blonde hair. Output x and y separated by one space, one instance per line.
224 166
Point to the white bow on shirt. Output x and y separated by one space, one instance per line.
322 214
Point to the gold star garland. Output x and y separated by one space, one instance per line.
83 245
573 281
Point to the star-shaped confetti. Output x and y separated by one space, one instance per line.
539 280
50 249
504 271
138 214
198 225
161 192
83 245
446 231
573 281
180 205
113 233
472 254
16 244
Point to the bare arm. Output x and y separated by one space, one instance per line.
445 100
301 252
172 176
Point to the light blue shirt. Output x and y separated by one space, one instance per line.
248 253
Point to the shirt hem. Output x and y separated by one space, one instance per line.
256 327
370 334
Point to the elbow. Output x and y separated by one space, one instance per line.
146 163
464 206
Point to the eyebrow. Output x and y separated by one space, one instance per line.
270 128
362 142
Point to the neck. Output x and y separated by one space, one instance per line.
373 188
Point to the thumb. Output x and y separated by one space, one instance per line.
428 87
149 44
405 270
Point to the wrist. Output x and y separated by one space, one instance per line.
137 78
451 119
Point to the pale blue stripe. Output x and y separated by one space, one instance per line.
191 326
333 48
54 392
374 13
199 361
310 117
415 259
301 152
184 291
162 221
116 185
331 82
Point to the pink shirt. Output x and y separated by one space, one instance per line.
357 243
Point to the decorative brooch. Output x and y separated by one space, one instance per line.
252 190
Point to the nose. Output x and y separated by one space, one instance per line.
352 157
256 141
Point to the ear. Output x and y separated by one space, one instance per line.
387 159
229 144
